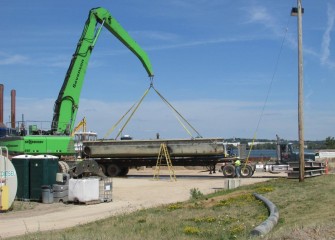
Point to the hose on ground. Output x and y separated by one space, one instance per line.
266 226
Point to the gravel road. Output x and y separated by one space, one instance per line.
137 191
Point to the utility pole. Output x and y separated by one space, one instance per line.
298 12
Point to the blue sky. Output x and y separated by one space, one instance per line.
214 60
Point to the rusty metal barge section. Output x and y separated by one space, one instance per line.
150 148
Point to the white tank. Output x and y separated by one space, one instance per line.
84 189
8 177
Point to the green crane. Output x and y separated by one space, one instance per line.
59 142
66 105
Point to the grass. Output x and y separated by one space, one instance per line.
306 212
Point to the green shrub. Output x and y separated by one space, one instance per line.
196 194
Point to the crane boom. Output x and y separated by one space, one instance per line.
66 105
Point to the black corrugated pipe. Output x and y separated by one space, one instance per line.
266 226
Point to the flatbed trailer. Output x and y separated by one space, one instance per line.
115 157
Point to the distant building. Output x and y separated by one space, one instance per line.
259 143
235 144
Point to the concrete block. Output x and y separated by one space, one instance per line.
232 183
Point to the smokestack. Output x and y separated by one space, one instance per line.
1 102
13 107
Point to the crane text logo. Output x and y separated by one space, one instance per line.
34 141
78 73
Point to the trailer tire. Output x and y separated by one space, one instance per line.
124 171
113 170
246 171
228 171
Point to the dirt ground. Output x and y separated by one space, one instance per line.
134 192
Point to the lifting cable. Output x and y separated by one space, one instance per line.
117 123
132 113
268 93
175 110
124 115
177 114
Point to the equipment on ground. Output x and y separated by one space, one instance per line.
84 190
286 154
33 172
164 159
8 181
86 168
58 141
115 157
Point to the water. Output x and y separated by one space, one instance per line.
263 153
266 153
259 153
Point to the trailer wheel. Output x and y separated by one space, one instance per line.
228 171
246 171
113 170
124 171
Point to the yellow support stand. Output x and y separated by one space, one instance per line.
4 198
164 155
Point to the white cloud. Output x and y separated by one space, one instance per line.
199 43
326 39
261 15
6 59
155 35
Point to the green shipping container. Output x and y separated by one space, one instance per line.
43 170
21 164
